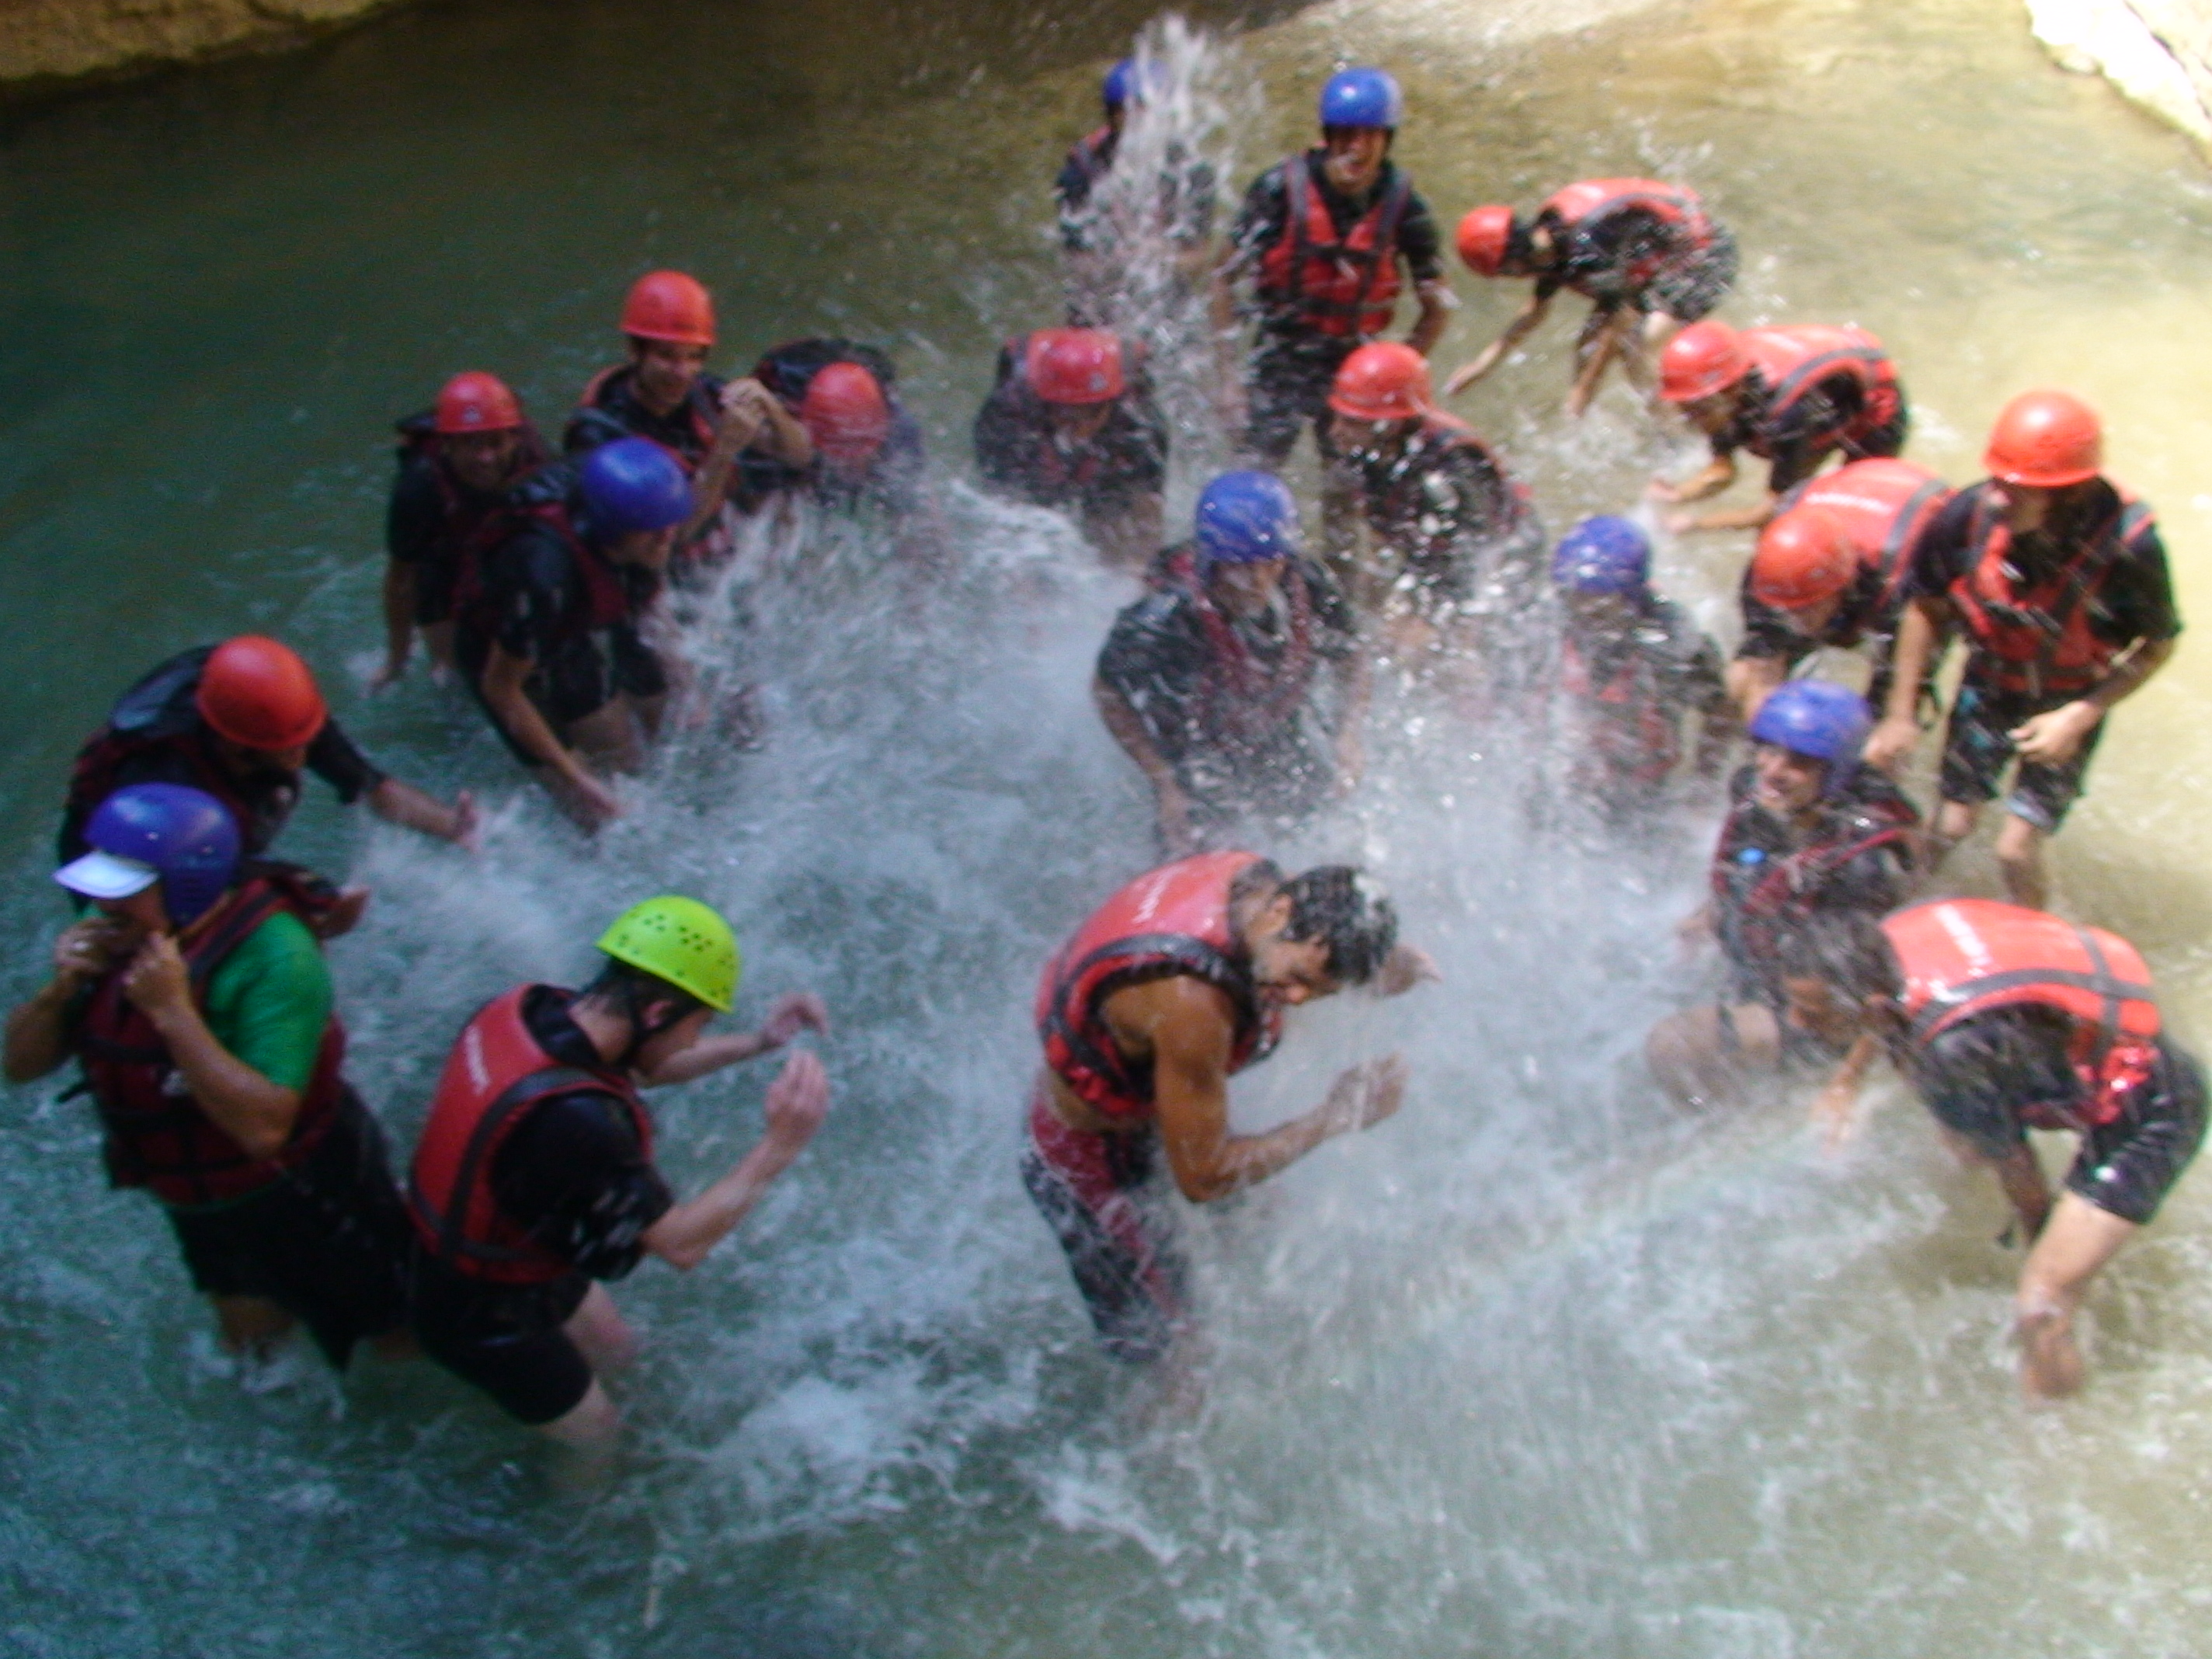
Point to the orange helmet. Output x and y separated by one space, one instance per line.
1484 237
846 413
667 305
2047 440
476 401
1075 365
1702 359
1804 556
256 691
1383 381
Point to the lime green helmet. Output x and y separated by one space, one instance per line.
682 941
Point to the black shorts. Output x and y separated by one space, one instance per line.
1688 288
1098 1194
2128 1167
506 1340
1977 751
1288 384
433 590
327 1243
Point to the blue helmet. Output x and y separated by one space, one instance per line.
1125 83
632 484
184 839
1244 518
1362 98
1604 554
1819 719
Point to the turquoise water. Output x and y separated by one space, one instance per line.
1534 1370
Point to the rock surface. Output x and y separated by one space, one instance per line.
2159 52
59 41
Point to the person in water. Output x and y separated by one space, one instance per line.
197 1001
1070 423
1093 241
1791 396
1236 685
241 721
1456 553
1632 668
534 1183
1321 238
2058 582
868 454
457 462
664 392
1811 835
1645 254
1177 982
1830 570
2004 1019
560 625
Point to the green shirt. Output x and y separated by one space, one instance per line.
269 999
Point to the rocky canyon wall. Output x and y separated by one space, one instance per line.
2159 52
53 42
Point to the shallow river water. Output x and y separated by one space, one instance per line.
1535 1370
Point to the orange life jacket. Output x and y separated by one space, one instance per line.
158 1137
1966 956
2040 642
1174 921
1343 286
1795 360
495 1073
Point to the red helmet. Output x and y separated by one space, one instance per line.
256 691
1075 365
846 413
2047 440
1702 359
1484 237
476 401
1383 381
1804 556
667 305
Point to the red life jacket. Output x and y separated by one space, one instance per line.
1629 730
1678 211
1794 360
158 1135
1173 922
1966 956
1051 470
2040 642
1882 506
1092 155
605 600
1344 286
1758 905
1240 698
495 1073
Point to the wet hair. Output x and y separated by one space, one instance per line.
1349 912
1849 953
633 990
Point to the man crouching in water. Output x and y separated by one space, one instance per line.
1176 983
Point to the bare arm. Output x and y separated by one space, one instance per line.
1523 325
244 1105
1715 476
1127 730
1187 1025
37 1041
1752 680
504 677
1438 303
1918 630
797 1102
1730 518
801 1011
405 805
2056 737
398 622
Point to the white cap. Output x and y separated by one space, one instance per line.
105 875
